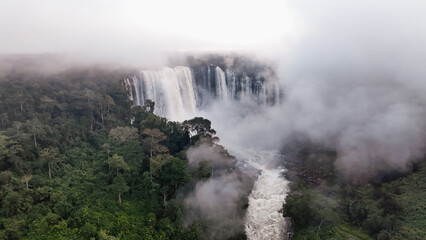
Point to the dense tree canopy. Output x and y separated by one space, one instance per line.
77 161
324 205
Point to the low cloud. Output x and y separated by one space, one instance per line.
219 201
355 82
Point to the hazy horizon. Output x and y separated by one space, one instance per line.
352 72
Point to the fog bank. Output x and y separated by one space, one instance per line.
355 82
352 73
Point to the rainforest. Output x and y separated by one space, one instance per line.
212 120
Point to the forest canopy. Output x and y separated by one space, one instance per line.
78 161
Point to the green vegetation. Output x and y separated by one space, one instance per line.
73 166
322 205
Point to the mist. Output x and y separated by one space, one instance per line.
355 82
140 33
352 72
219 201
352 76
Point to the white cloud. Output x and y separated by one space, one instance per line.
141 30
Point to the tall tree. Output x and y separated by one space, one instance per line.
11 153
124 134
18 126
90 95
107 149
173 173
26 179
4 117
154 136
3 147
23 98
47 103
149 106
117 163
51 158
199 126
36 127
119 184
15 153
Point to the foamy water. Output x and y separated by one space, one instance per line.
264 218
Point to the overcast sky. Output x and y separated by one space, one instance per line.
353 71
143 29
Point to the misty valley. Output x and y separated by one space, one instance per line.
212 120
200 149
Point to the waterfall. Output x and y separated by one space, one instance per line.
221 89
186 87
231 81
128 87
246 86
179 92
208 78
172 90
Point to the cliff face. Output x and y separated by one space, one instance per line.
197 82
245 77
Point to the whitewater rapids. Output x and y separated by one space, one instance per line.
178 93
264 219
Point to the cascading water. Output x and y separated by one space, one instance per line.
231 82
221 89
246 86
264 219
178 92
186 88
172 90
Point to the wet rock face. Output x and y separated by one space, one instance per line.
189 86
244 78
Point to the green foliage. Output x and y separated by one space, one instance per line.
149 106
50 157
409 192
174 173
117 163
323 206
73 166
199 127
